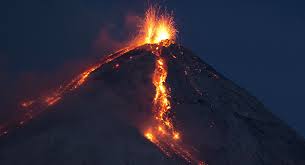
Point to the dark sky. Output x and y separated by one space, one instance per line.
259 44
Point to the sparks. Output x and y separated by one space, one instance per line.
156 27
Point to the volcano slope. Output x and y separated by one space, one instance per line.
103 122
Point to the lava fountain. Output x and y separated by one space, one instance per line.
157 27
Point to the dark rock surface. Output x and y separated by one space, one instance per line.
103 121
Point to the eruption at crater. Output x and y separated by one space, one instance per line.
158 30
196 116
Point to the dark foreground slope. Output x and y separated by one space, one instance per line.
103 122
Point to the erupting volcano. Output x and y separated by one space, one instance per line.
177 102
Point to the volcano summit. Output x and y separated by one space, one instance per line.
153 102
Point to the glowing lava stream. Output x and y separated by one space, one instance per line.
163 132
79 80
157 29
36 106
160 30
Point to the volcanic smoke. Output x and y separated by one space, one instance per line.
157 30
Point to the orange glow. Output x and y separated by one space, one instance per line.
176 136
159 29
161 101
56 95
156 27
149 136
84 76
162 131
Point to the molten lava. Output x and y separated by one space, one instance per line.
162 131
158 29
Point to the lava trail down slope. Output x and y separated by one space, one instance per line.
207 118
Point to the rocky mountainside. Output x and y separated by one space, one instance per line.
103 121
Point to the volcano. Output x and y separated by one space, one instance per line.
106 120
152 102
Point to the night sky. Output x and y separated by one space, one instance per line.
258 44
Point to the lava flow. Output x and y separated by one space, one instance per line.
57 94
36 106
160 30
157 30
